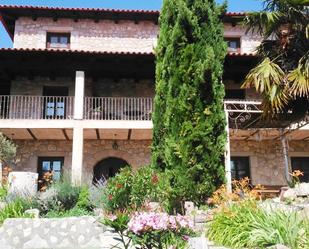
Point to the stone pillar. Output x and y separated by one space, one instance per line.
287 166
77 155
227 159
79 95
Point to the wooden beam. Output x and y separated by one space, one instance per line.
98 134
65 134
31 134
129 134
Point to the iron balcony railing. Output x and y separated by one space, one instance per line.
118 108
96 108
36 107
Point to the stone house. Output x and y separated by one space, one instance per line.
77 88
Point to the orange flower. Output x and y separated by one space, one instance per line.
154 179
118 185
297 173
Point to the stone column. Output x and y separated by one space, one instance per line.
227 159
285 152
79 95
77 155
78 132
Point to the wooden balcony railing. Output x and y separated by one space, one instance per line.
36 107
118 108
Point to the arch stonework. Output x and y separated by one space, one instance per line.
101 155
136 153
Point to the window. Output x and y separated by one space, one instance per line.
55 102
233 44
302 164
240 167
235 94
49 165
58 40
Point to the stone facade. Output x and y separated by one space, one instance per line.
106 87
266 158
135 152
106 35
248 41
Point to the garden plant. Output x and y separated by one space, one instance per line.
189 122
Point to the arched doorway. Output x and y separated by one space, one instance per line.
106 168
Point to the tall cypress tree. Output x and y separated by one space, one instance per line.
189 122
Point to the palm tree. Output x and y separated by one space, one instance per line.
282 75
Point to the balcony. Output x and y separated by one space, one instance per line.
62 108
36 107
118 108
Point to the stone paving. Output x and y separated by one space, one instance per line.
81 232
66 233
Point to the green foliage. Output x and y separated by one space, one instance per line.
189 122
3 192
117 192
245 225
73 212
83 201
60 196
7 149
131 189
15 209
282 75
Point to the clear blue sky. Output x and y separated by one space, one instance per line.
234 5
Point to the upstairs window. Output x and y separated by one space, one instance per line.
233 44
58 40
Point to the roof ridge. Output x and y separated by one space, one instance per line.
150 11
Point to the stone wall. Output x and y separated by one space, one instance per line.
106 87
106 35
266 158
248 41
34 87
135 152
124 88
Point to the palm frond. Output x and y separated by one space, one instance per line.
299 78
264 76
265 23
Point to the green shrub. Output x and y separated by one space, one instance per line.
132 189
83 201
116 195
74 212
97 195
188 121
15 209
245 225
59 197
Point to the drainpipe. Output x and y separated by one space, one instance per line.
285 156
227 155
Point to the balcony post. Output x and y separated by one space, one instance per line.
77 155
79 95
